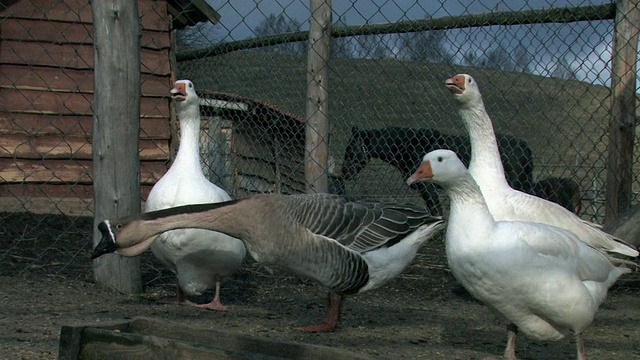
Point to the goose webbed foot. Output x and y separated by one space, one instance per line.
215 304
331 320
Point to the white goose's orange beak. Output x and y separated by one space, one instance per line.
456 84
423 173
179 92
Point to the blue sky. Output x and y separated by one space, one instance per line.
587 46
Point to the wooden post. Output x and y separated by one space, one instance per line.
623 107
317 129
116 130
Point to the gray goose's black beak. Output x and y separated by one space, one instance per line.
107 244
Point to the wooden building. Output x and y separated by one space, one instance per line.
254 146
46 92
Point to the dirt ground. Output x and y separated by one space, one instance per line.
420 315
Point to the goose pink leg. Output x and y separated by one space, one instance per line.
510 351
331 319
215 304
582 355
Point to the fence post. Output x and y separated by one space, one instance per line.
116 130
317 129
623 107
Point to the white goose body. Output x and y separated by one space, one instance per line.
198 257
349 247
504 202
539 277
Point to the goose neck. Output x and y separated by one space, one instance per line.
468 207
216 217
189 148
485 165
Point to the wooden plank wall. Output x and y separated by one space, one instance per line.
262 147
46 91
267 155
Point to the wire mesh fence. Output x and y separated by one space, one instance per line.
544 72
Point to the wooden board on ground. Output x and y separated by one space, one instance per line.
151 338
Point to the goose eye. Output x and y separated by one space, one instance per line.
119 226
190 85
470 80
439 158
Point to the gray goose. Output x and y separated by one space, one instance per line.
349 247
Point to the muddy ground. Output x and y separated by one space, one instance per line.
420 315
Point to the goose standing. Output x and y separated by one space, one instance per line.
198 257
541 278
349 247
504 202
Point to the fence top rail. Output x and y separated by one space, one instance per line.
520 17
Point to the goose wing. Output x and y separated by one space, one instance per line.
522 206
359 226
563 249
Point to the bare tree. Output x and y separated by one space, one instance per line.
498 58
563 70
343 46
197 36
470 58
280 24
372 47
521 59
426 46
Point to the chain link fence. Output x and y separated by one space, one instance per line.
545 81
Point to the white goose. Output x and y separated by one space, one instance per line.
541 278
504 202
198 257
348 247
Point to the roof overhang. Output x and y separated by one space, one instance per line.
191 12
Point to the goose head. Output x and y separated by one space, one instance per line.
122 237
464 89
184 93
439 166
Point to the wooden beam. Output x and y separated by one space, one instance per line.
317 112
68 125
74 56
56 171
207 10
27 146
57 79
622 123
68 103
116 130
62 33
153 14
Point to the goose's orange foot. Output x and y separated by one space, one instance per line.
214 305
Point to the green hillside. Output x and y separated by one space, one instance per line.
565 122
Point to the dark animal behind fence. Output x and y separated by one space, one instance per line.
563 191
403 148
